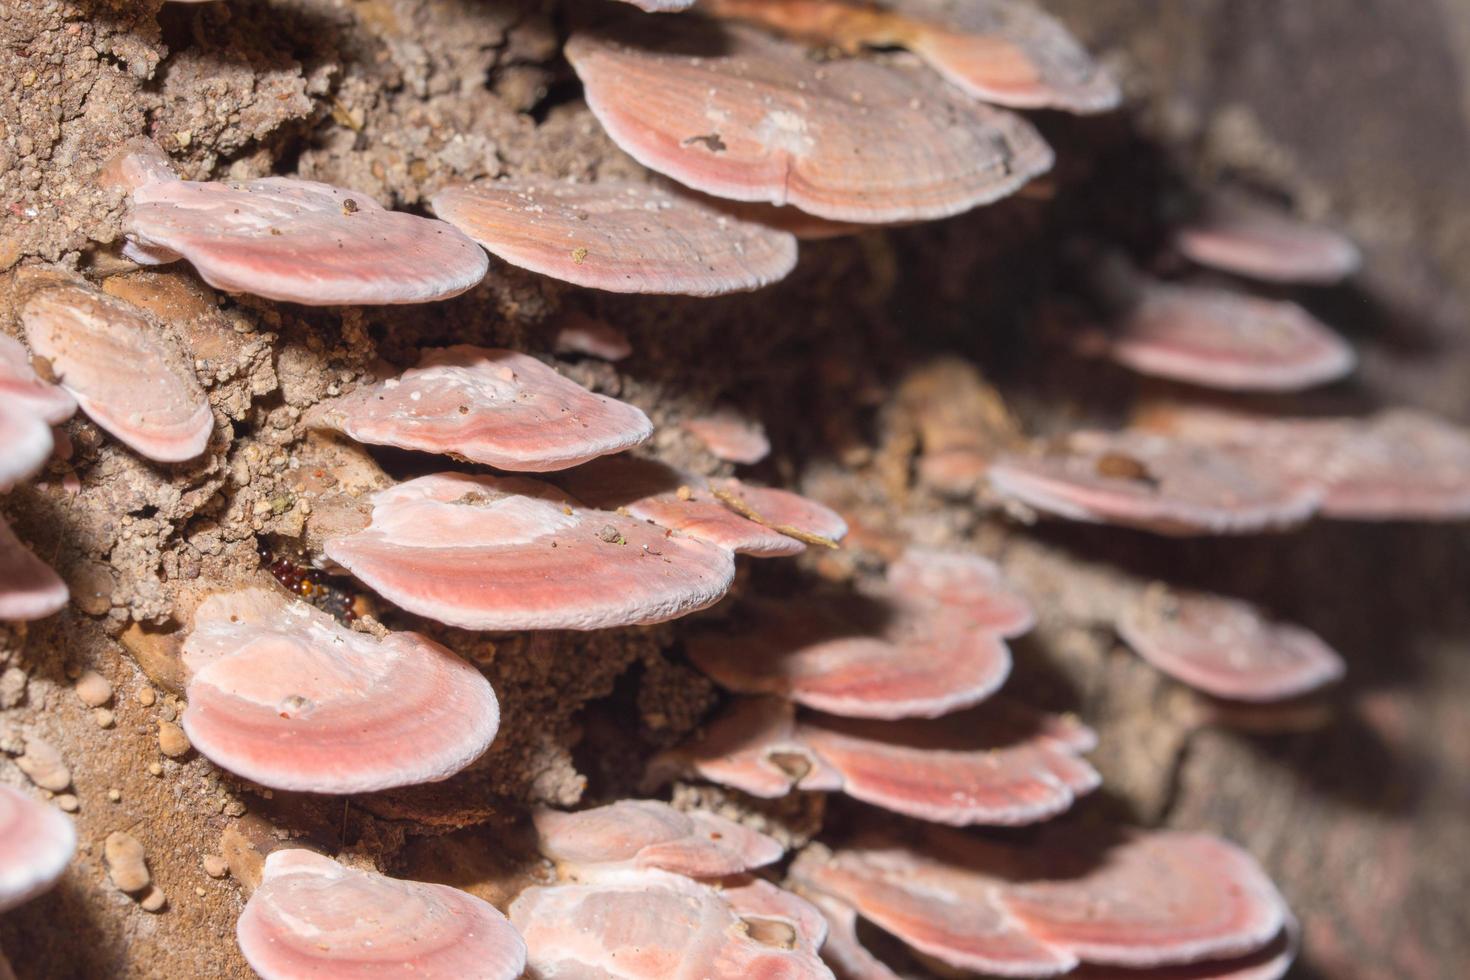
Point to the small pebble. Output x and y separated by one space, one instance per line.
168 712
68 802
104 717
147 696
127 863
155 769
172 741
94 689
154 901
114 795
215 866
200 892
43 764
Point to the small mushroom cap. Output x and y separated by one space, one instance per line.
730 436
284 695
948 911
1154 899
1156 483
578 333
621 236
511 553
650 926
27 440
21 390
998 764
1222 339
1226 647
738 114
652 834
926 645
299 241
1003 51
488 405
123 374
1243 237
759 901
313 917
29 589
36 845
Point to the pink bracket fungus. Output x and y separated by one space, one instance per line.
950 912
1155 899
730 436
29 589
935 643
282 694
1007 52
638 834
1225 647
738 114
487 405
313 917
1246 238
27 440
125 377
36 845
787 512
662 6
621 236
21 390
1217 338
1155 483
511 553
578 333
297 241
1270 962
774 911
652 926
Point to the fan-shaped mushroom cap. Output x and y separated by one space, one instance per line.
284 695
997 764
22 391
947 911
782 510
1222 339
730 436
510 553
578 333
1003 51
490 406
27 440
761 903
29 589
1157 898
652 834
36 844
1248 239
622 236
313 917
122 373
925 645
1156 483
649 926
1226 647
303 242
738 114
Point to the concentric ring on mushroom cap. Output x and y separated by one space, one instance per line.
284 695
36 844
29 589
303 242
489 405
1226 647
621 236
1218 338
652 834
313 917
1156 483
125 377
738 114
1246 238
1007 52
510 553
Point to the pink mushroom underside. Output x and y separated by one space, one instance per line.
312 917
1251 241
946 912
36 844
300 241
284 696
1226 648
653 926
959 770
1221 339
1157 484
512 553
491 406
621 236
1154 899
730 437
651 834
736 113
122 372
29 589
